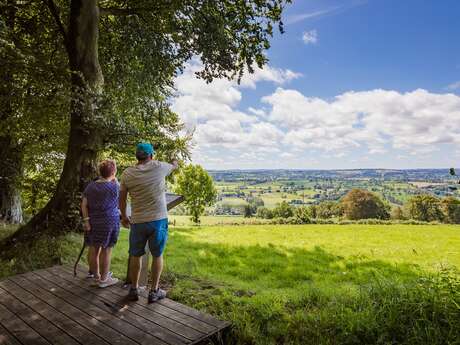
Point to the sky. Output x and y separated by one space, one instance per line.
350 84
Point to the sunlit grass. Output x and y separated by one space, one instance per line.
311 284
233 202
319 284
179 220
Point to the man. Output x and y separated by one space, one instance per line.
145 183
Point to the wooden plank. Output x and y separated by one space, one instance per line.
106 332
36 321
100 312
207 318
191 322
19 329
62 321
6 338
136 307
96 296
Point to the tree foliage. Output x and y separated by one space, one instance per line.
195 184
450 207
397 213
303 214
33 93
115 63
328 209
283 210
264 212
362 204
424 207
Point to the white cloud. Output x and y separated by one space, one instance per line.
310 37
212 109
289 128
275 75
414 121
287 155
295 18
454 86
308 15
258 112
198 101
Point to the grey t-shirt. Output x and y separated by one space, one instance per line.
146 185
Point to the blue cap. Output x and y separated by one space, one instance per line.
147 148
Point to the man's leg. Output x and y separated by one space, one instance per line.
157 244
157 268
137 241
134 270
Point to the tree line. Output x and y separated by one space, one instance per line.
360 204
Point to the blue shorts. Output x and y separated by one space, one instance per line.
155 233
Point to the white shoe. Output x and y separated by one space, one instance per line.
108 282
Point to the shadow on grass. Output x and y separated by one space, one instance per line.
43 252
277 267
278 295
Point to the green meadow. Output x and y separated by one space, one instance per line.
306 284
180 220
319 284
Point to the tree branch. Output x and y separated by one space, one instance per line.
115 11
57 18
104 11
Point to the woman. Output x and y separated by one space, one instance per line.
102 221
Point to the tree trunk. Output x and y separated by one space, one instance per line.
62 213
10 175
11 152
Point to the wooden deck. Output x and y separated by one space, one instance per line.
50 306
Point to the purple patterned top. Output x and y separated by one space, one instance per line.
104 216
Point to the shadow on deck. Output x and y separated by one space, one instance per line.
50 306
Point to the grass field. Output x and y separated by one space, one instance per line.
315 284
180 220
233 202
318 284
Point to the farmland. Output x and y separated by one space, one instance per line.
305 187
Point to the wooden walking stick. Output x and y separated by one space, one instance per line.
79 257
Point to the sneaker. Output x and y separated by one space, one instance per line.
108 282
156 295
133 294
95 282
90 275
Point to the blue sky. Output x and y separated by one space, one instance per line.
351 84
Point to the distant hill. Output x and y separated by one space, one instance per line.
429 175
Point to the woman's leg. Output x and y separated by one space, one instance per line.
94 252
105 262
